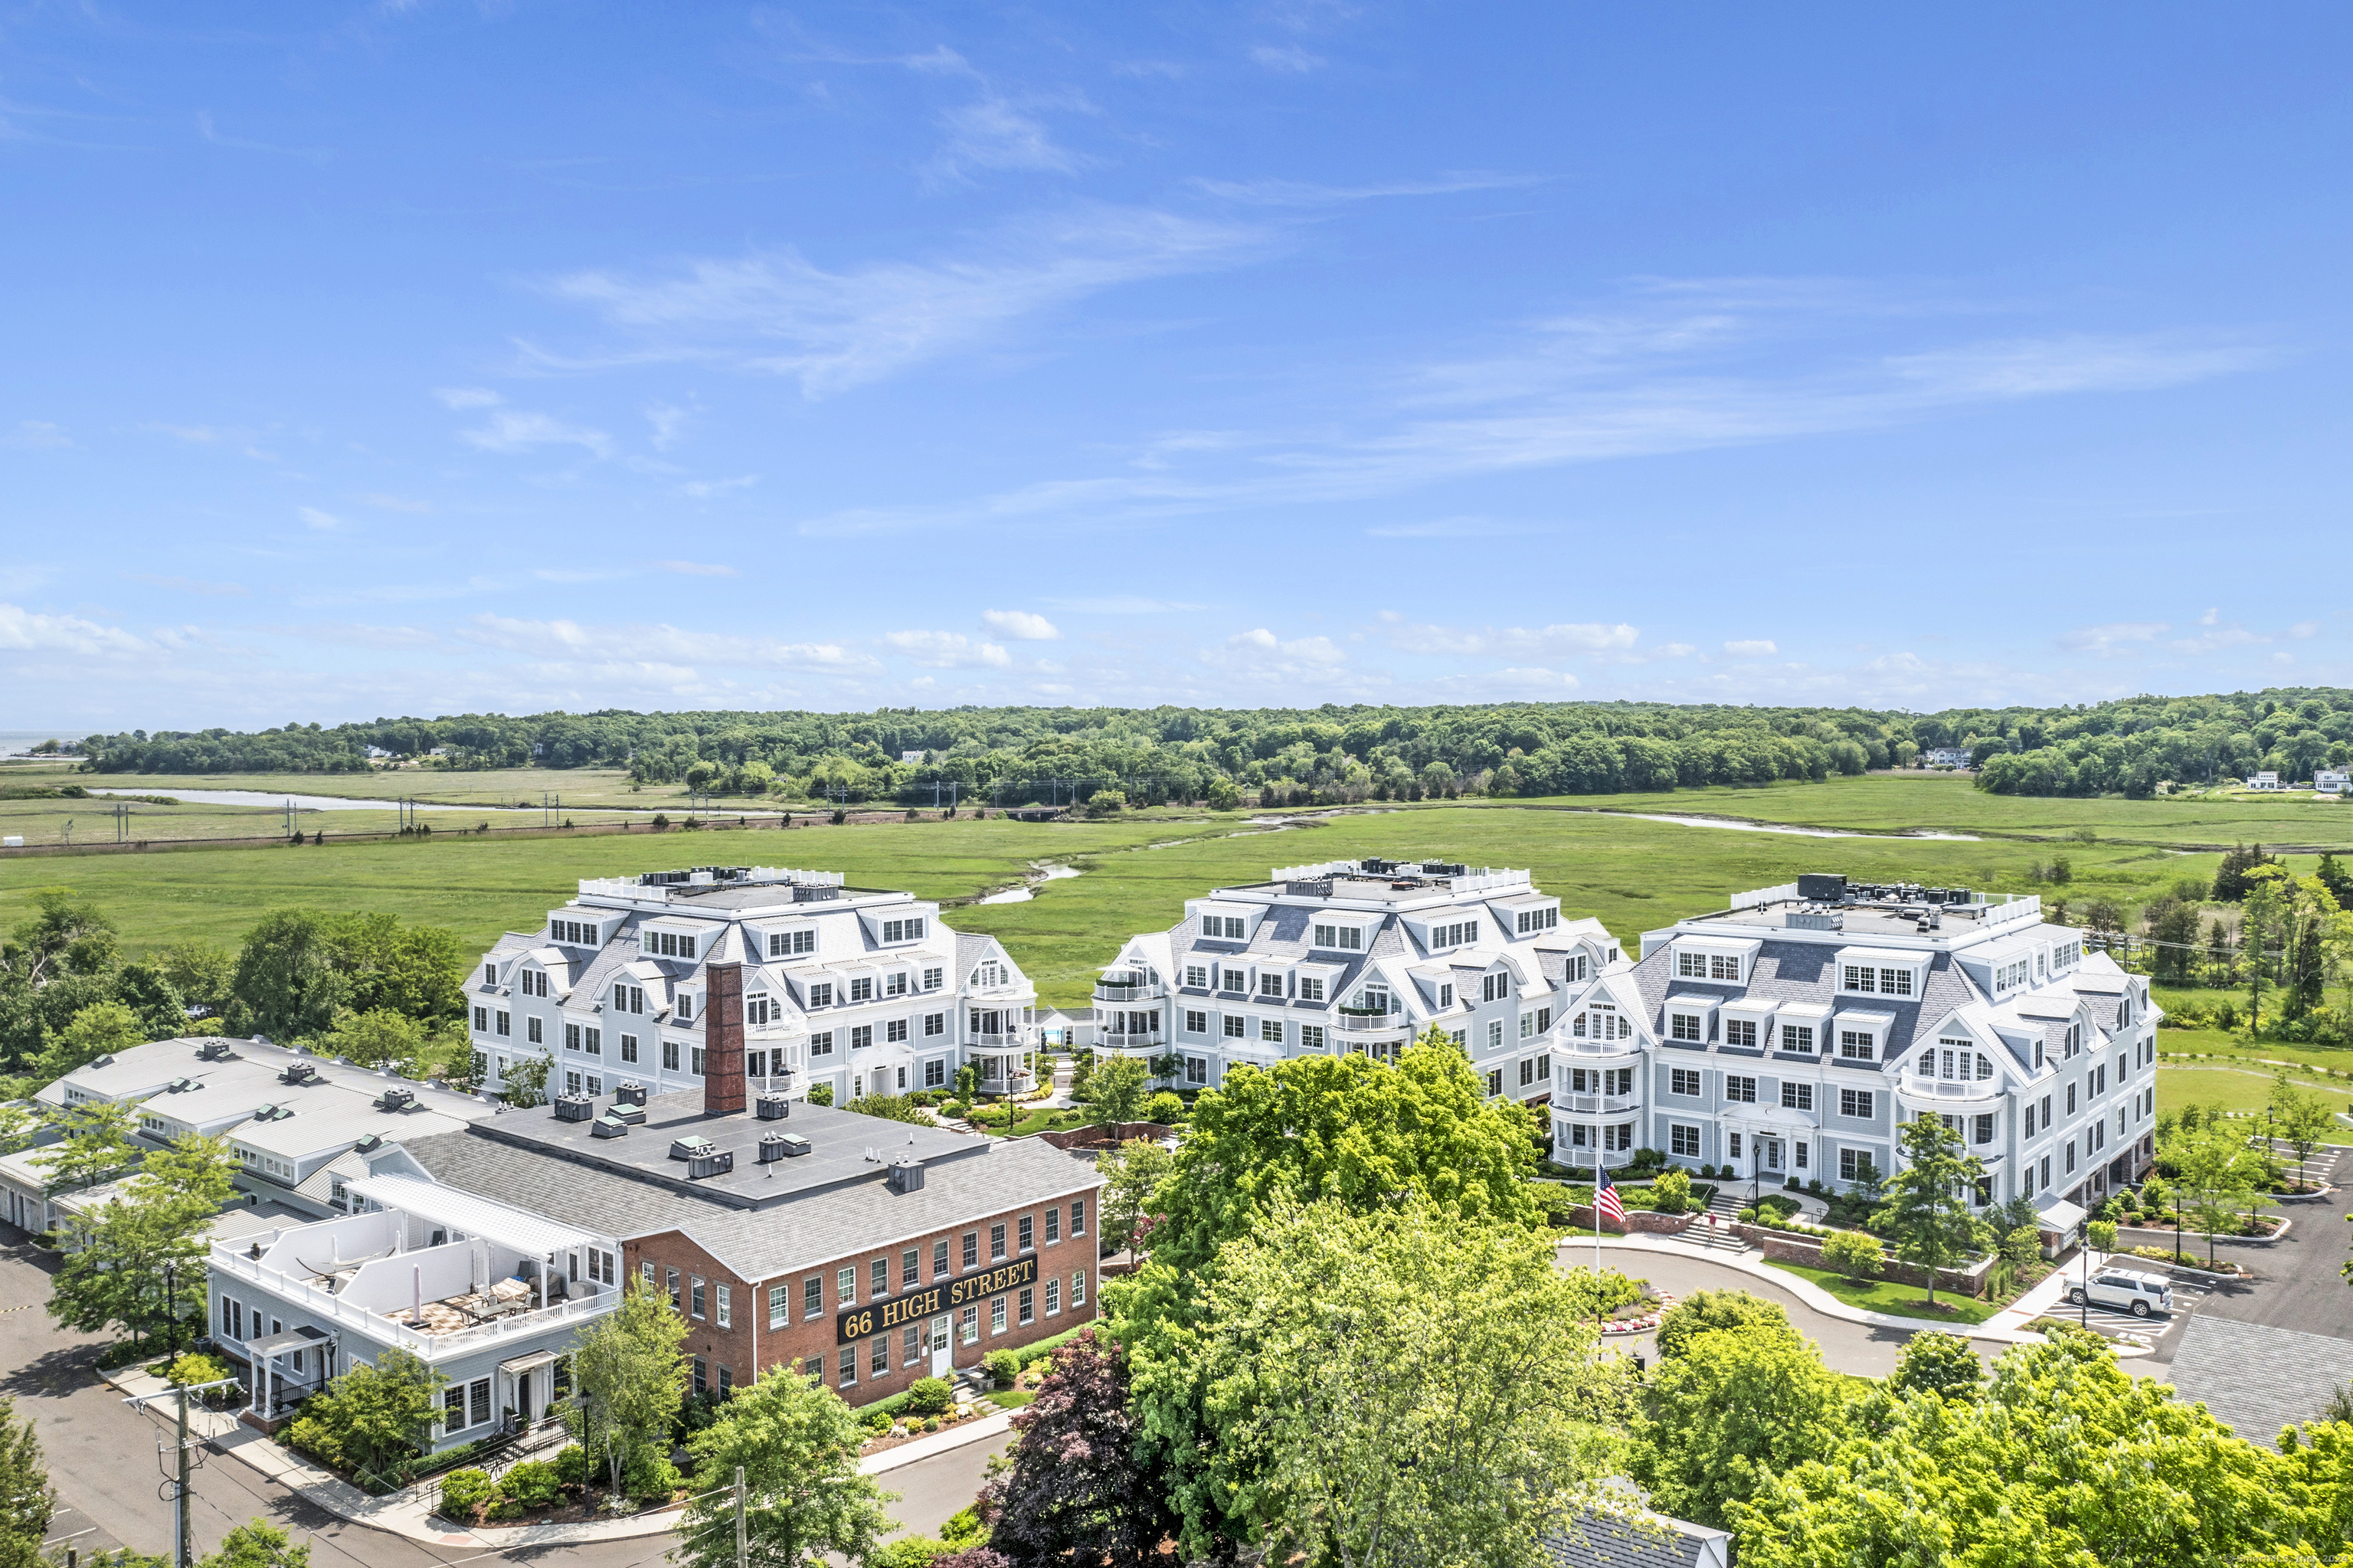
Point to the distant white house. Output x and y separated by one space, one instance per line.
2265 781
2326 782
1947 757
911 757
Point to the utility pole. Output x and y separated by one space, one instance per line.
184 1535
743 1552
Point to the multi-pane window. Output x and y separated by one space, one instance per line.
1053 1298
1054 1225
997 1315
1454 935
845 1286
940 1258
934 1024
861 1035
848 1359
1896 983
1682 1080
911 1344
1496 1081
1857 1103
1197 976
1196 1022
1269 985
1235 1023
1683 1139
911 1268
1531 920
1682 1026
903 931
1494 987
1311 1037
724 1317
1855 1044
879 1361
820 993
1311 989
780 1305
785 944
972 1249
1981 1129
882 1269
1797 1096
1860 977
1341 939
1851 1164
968 1326
1078 1290
895 1032
1236 981
696 1297
1079 1218
1030 1303
1740 1031
1270 1031
1028 1232
821 1042
997 1241
1741 1089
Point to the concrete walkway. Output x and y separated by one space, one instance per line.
413 1517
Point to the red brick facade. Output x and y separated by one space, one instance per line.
736 1325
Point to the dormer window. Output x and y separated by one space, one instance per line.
572 933
1527 922
685 1007
1445 996
789 944
1858 1045
1340 939
1232 928
821 994
1494 987
490 974
758 1011
668 945
1270 987
1455 934
902 931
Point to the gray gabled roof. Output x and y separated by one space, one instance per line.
1802 971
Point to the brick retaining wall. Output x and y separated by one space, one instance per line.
1580 1217
1780 1247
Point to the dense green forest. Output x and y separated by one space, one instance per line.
1161 753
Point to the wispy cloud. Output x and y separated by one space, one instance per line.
212 134
26 631
1513 641
947 650
1261 658
1288 57
1302 193
697 569
34 435
2113 637
779 313
515 430
1021 625
392 502
667 421
468 397
572 640
325 521
189 584
1752 648
1122 604
703 489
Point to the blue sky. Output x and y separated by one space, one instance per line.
427 357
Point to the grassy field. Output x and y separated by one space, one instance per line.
2236 1089
1634 875
1887 1295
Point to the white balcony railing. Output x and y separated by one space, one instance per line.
1130 992
1937 1089
1005 1040
1577 1048
323 1304
1378 1023
1597 1104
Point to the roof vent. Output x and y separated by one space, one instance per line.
608 1126
180 1086
634 1115
783 1146
102 1062
907 1176
396 1099
213 1051
368 1145
629 1092
575 1107
710 1163
299 1074
690 1147
773 1107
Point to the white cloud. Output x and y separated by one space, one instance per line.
1020 625
667 422
570 638
696 569
512 431
1286 58
393 502
779 313
1752 648
1301 193
1553 641
35 435
468 397
189 584
353 634
1515 682
703 489
1000 134
1261 658
2304 629
323 521
2115 637
948 650
26 631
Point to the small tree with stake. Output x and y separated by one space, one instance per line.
1928 1208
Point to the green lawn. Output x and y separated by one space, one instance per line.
2246 1089
1898 1301
1635 875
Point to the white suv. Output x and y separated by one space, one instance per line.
2127 1290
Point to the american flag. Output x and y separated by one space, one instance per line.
1606 1201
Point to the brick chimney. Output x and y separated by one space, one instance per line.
722 1039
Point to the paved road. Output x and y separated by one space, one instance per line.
103 1462
1863 1349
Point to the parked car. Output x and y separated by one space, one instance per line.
2126 1290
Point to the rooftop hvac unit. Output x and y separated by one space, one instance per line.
784 1146
1820 887
690 1146
1810 921
623 1111
396 1099
368 1145
629 1092
575 1107
608 1126
773 1107
907 1176
710 1163
182 1085
213 1051
299 1074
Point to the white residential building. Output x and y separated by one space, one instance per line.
2332 781
2267 782
1946 756
1356 956
1784 1037
861 990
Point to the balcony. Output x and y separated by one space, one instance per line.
1106 992
1597 1104
1019 1083
1578 1047
1133 1040
1938 1089
1359 1021
1006 1039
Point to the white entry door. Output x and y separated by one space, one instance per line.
1768 1151
942 1355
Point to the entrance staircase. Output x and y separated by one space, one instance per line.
1701 1237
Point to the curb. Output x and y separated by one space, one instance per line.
938 1443
1822 1301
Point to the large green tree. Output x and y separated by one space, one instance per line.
1132 1173
629 1380
1732 1409
99 1140
1927 1202
1116 1089
1337 1344
98 1030
25 1501
138 1259
804 1495
2064 1460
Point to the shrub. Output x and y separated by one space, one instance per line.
878 1421
533 1485
571 1465
1746 1217
463 1492
652 1476
1005 1367
1707 1312
1164 1108
820 1094
953 1109
929 1396
931 1423
1671 1191
1792 1185
195 1368
1853 1254
2101 1233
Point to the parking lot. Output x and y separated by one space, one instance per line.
2159 1330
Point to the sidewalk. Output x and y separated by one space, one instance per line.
1811 1294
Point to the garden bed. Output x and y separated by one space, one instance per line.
1888 1296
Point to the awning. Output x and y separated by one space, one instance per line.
2059 1215
532 1235
300 1339
532 1362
